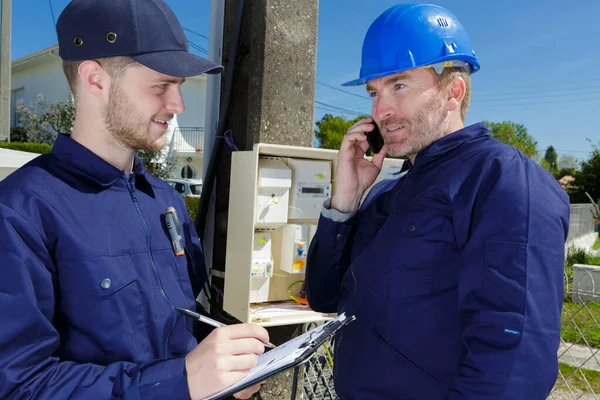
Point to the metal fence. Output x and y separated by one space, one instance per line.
578 354
314 379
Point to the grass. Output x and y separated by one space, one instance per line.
596 245
575 380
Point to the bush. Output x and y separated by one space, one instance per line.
192 206
576 256
38 148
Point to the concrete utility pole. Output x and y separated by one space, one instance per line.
272 102
5 20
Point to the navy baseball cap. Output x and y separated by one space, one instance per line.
145 30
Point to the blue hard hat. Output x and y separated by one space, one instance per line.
409 36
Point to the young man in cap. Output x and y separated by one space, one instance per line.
89 280
455 270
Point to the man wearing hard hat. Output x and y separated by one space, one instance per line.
454 271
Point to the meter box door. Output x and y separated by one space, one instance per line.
311 186
274 182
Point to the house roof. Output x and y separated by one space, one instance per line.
36 58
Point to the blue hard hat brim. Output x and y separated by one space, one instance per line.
177 63
361 81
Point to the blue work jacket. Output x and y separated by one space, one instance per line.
89 281
454 273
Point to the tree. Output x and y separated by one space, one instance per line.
587 178
567 161
552 159
331 130
43 120
567 165
153 166
515 135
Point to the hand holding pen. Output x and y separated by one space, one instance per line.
224 357
209 321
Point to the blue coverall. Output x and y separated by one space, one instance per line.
89 281
454 273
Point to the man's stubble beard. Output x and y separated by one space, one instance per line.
429 124
125 125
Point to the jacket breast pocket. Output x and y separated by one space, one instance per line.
100 303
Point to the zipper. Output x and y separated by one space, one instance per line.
131 188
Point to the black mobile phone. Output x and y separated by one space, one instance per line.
375 139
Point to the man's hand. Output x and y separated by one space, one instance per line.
354 173
223 358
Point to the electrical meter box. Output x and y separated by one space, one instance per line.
311 186
275 201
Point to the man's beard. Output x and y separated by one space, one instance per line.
428 125
126 126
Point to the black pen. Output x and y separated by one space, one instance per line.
209 321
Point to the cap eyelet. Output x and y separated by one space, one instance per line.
78 41
111 37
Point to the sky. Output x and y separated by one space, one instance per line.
539 59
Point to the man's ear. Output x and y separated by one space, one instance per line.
94 78
456 93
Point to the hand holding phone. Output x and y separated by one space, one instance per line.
375 139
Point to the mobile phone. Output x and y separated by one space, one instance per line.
375 139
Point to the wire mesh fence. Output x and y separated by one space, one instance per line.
579 351
315 377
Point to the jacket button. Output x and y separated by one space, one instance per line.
411 227
106 283
339 237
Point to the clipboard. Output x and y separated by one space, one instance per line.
288 355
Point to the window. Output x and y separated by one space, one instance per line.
17 98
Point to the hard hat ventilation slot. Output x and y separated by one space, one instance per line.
442 22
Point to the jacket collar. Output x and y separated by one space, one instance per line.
444 145
87 165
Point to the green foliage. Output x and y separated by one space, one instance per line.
576 255
331 130
153 164
515 135
551 157
596 245
38 148
192 206
587 179
43 120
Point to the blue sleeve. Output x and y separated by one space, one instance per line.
29 366
327 261
514 223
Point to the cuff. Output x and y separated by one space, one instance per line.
335 215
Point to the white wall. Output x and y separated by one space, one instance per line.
46 79
194 96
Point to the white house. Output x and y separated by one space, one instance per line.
41 73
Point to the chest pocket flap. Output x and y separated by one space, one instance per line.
97 276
